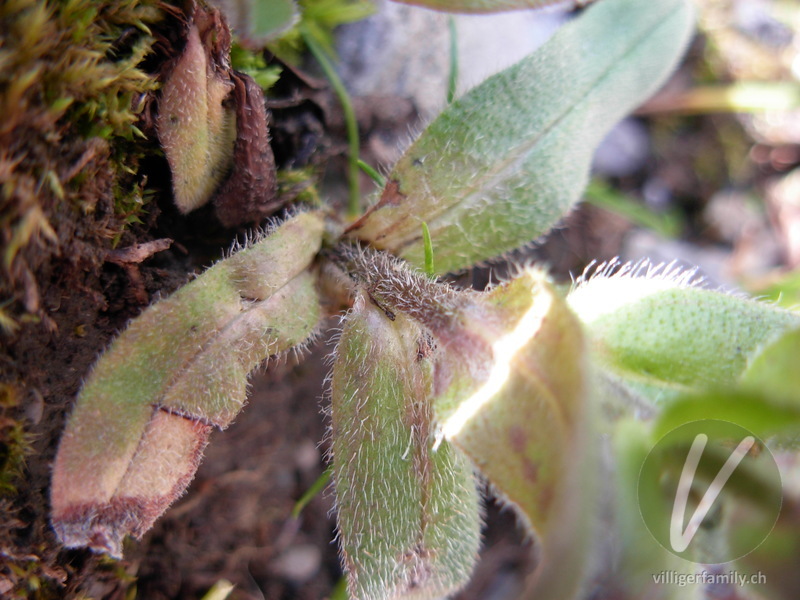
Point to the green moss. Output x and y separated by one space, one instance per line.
15 443
299 186
71 91
253 64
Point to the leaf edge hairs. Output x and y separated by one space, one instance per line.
135 439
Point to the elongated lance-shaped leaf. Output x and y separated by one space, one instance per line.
662 335
765 399
504 163
523 418
408 515
134 439
195 129
492 6
510 392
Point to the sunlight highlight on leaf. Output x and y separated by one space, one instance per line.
504 351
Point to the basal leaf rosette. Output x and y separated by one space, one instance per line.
142 419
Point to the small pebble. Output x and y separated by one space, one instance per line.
306 455
624 151
298 564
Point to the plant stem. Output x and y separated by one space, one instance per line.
312 491
392 284
452 81
354 199
372 173
430 270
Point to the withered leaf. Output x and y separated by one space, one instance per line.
250 193
213 126
195 128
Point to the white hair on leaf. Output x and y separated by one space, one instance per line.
608 286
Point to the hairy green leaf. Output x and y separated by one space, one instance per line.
504 163
408 514
510 391
195 128
141 421
663 337
774 370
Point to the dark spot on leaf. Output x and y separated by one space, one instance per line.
530 469
391 196
518 438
